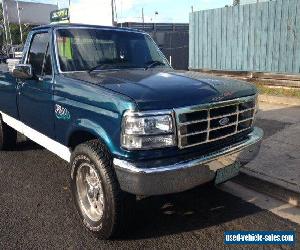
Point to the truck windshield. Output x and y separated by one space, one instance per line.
92 49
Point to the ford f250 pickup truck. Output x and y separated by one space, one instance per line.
106 100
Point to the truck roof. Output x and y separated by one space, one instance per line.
66 25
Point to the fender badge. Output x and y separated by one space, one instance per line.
62 113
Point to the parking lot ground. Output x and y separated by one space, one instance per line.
278 162
276 206
37 211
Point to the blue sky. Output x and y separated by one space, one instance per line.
168 10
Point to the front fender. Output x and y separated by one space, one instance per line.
92 127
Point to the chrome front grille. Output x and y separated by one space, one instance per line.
206 123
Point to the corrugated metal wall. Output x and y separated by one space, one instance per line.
257 37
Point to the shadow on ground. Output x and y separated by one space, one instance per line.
271 127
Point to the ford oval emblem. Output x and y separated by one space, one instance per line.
224 121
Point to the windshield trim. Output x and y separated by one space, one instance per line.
100 70
95 28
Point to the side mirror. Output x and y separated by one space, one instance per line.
23 71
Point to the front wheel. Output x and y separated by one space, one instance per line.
103 208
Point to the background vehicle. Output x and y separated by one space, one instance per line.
15 52
106 100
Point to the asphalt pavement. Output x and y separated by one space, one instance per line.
278 160
37 211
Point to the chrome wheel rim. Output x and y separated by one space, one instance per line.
90 192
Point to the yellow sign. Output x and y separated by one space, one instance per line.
58 16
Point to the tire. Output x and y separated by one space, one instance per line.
103 207
8 136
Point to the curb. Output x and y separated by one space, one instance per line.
268 188
279 100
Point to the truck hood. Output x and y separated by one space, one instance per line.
156 89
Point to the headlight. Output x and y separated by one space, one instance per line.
147 131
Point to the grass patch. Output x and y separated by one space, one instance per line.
263 89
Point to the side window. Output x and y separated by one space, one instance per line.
38 55
47 70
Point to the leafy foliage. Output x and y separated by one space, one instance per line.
14 36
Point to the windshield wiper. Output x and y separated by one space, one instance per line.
152 64
99 66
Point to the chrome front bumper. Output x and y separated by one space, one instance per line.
163 178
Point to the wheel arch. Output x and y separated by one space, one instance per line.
86 130
80 136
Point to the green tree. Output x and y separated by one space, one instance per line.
14 31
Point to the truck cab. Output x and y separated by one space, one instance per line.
107 101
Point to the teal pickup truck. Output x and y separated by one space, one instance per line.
107 101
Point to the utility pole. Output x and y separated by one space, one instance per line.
116 12
4 22
143 18
112 13
8 22
155 16
69 13
20 25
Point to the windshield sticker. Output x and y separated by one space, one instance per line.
62 113
65 47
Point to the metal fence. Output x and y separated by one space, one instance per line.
261 37
172 38
174 45
153 27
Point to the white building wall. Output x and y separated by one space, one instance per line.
97 12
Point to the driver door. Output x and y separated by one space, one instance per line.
35 99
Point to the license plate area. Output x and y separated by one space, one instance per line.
228 172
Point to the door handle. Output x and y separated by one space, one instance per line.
20 84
